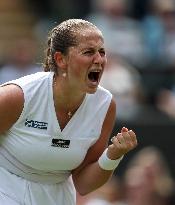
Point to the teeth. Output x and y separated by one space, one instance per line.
96 71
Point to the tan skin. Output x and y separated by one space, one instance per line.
88 54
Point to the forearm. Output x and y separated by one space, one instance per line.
90 178
91 175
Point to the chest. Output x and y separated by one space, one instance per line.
45 152
49 147
63 118
39 124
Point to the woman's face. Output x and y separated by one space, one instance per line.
86 61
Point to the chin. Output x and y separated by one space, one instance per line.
91 90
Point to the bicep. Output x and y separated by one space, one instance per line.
11 105
97 149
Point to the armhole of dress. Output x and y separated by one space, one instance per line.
109 103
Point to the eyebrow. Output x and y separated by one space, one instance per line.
92 48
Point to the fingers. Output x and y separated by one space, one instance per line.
125 137
129 135
124 129
120 138
133 136
123 142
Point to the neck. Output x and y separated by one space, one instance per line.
65 98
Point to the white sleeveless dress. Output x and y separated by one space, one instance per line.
36 156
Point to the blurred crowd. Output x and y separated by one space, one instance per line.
140 43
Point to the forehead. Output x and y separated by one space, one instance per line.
90 37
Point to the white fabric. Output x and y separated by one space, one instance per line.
15 190
106 163
26 149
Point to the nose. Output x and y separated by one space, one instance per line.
98 58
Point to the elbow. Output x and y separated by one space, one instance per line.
82 189
82 192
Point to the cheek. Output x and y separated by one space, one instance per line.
105 61
79 67
76 72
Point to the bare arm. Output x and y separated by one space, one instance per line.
89 176
11 105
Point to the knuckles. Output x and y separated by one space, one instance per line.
123 142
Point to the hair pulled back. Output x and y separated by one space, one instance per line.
61 38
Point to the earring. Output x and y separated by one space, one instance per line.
64 75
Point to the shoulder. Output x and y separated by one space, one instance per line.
11 89
108 96
11 94
103 91
101 96
11 105
98 104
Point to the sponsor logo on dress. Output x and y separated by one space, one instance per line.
36 124
60 143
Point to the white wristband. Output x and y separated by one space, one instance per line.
106 163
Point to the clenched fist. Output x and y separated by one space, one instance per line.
121 144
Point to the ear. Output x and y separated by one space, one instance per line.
60 59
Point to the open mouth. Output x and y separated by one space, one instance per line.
94 76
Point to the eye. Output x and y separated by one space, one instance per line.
102 52
89 52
